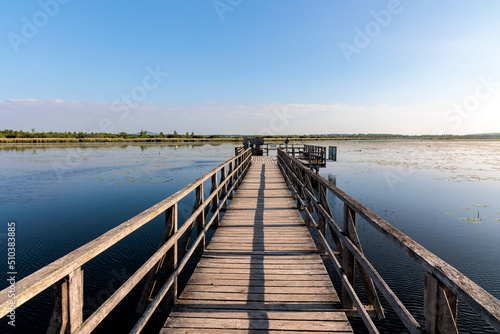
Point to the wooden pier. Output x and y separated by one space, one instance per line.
261 271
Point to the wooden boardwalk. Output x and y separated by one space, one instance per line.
261 272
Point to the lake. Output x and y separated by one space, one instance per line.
444 195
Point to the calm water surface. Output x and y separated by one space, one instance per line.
445 195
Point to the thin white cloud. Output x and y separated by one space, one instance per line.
225 118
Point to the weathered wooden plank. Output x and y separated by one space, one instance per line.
257 297
246 305
307 290
208 280
257 324
282 277
236 314
266 271
258 265
249 248
239 331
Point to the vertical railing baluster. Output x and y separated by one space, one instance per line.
67 297
172 256
321 219
200 220
223 191
440 307
170 259
59 319
323 201
348 262
215 200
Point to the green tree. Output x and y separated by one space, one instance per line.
175 133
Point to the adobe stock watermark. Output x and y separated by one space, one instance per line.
278 122
32 26
455 116
223 6
137 94
393 178
470 104
11 272
364 36
121 107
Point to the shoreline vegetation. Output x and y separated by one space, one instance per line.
13 136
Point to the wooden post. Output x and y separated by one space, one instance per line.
200 220
440 307
348 263
309 155
75 299
309 186
215 200
59 318
295 170
323 201
170 259
229 179
321 219
223 191
67 297
371 292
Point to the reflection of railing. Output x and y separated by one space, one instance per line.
66 276
443 283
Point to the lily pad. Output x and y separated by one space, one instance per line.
465 208
481 206
473 220
450 213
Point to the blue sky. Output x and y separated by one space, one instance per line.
251 66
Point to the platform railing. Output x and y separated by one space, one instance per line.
66 278
444 284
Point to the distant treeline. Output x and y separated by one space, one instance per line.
33 136
82 135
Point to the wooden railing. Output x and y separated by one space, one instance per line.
65 275
443 283
314 155
239 149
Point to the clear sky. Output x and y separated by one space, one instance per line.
251 66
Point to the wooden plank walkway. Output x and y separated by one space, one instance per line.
261 272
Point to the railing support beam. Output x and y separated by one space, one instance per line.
170 259
440 307
67 298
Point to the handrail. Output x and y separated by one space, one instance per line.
441 276
65 273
